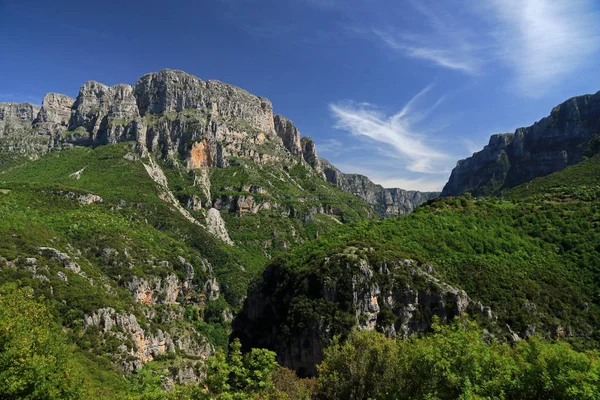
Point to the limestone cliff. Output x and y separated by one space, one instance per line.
179 118
549 145
387 202
298 318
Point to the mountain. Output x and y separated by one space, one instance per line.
563 138
140 214
523 266
174 116
387 202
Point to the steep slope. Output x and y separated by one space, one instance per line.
176 117
140 214
387 202
549 145
520 267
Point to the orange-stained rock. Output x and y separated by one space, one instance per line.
201 155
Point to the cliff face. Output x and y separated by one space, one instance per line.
399 298
551 144
387 202
178 117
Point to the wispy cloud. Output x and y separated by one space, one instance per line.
399 131
540 41
544 40
385 174
445 42
331 146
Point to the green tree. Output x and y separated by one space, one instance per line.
363 367
35 361
555 371
239 377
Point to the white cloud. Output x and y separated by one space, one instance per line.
398 131
544 40
423 184
539 41
331 146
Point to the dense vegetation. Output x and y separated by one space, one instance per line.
456 362
532 257
133 232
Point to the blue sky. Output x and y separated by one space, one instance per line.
398 90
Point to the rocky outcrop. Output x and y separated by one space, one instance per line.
176 91
16 117
289 134
103 115
144 345
399 298
309 152
387 202
216 225
181 119
56 110
510 159
155 290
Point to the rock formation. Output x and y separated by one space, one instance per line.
510 159
399 298
387 202
289 134
178 117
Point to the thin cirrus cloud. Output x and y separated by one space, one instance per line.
539 41
398 131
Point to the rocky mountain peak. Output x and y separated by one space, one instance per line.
56 109
549 145
174 115
289 134
309 152
177 91
15 117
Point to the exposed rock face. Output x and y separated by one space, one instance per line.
289 134
106 114
216 225
387 202
16 117
155 291
409 293
178 117
176 91
56 109
201 155
147 345
309 152
549 145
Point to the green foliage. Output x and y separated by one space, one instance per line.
240 376
456 362
363 367
35 360
533 260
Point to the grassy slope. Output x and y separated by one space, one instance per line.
35 211
541 247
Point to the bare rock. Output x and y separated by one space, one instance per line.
216 226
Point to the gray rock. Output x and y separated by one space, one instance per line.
409 290
289 134
56 109
387 202
547 146
309 153
16 117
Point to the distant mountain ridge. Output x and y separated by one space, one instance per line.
387 202
549 145
172 114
